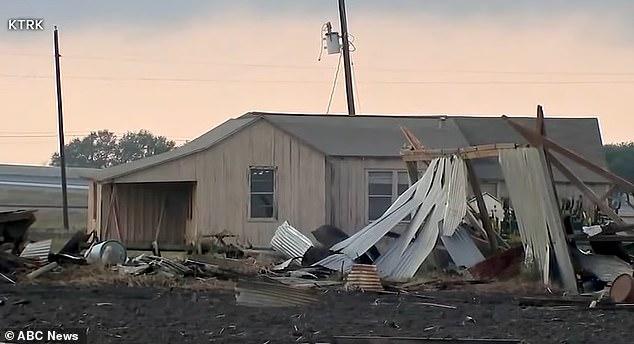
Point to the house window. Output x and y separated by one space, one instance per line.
262 193
384 187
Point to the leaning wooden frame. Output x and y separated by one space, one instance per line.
536 138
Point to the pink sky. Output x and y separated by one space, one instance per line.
413 65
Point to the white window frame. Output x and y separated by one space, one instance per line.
395 194
250 194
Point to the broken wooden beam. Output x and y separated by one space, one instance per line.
536 139
471 152
541 129
46 268
412 166
558 235
482 208
411 138
587 191
601 237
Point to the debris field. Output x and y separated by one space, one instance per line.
149 315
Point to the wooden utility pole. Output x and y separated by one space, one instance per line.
482 207
347 66
60 129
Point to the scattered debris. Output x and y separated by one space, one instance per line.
436 305
290 241
38 251
267 294
403 340
7 279
622 289
498 264
107 253
363 277
44 269
14 225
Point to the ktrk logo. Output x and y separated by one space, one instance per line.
25 24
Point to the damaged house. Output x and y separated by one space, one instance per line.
251 173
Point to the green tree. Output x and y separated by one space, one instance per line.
97 150
134 146
620 158
103 149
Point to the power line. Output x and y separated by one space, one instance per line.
47 136
170 62
162 79
334 85
282 66
374 82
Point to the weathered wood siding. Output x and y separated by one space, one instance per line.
139 210
179 170
221 173
222 197
91 214
347 206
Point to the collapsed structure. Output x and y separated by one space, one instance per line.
437 204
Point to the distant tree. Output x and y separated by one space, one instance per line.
103 149
620 159
97 150
134 146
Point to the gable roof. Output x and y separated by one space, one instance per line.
203 142
380 136
362 135
581 135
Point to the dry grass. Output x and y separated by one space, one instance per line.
50 217
90 275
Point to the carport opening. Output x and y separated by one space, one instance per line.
140 213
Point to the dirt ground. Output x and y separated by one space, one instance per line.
152 315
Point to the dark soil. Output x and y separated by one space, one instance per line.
146 315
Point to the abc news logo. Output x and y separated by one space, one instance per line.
67 336
25 24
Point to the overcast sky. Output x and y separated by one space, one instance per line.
178 68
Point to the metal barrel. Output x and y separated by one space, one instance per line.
117 254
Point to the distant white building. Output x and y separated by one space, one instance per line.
626 209
493 204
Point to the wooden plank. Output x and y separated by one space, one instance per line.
412 166
411 138
484 214
424 156
558 232
471 152
412 171
587 191
541 129
558 238
536 139
599 237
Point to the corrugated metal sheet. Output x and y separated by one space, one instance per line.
290 241
336 262
38 251
606 268
364 277
428 199
265 294
461 248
